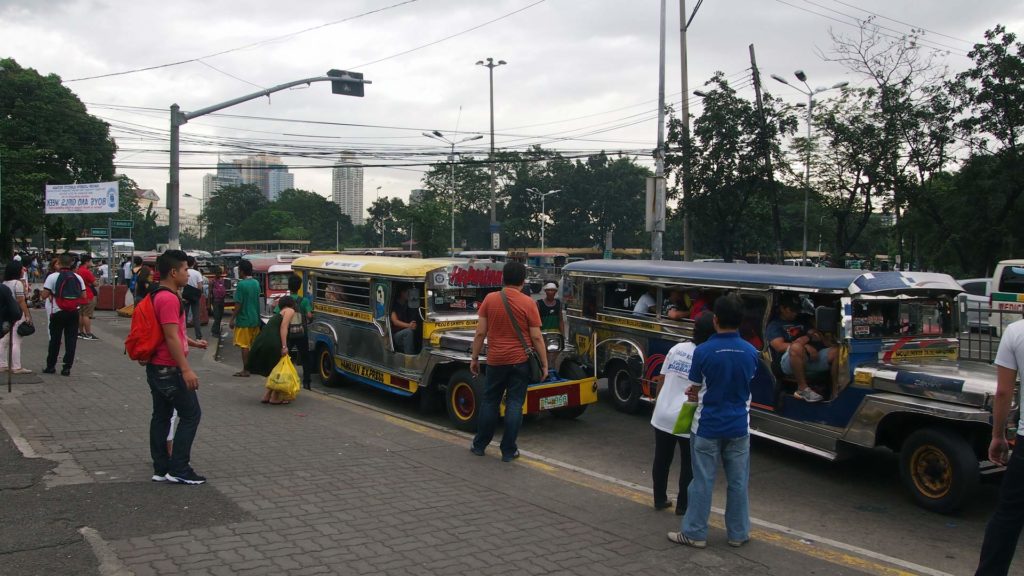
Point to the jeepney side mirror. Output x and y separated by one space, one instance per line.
826 319
554 342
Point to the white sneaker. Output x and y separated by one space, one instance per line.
808 395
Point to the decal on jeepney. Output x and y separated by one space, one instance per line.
343 312
629 322
907 379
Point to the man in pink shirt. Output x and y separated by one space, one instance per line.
172 382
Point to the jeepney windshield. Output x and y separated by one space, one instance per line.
903 318
457 301
279 280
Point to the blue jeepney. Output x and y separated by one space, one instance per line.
897 380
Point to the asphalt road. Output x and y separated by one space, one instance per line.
859 502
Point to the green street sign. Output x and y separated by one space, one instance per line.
121 224
98 232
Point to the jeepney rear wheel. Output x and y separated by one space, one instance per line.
325 366
939 468
570 371
463 399
625 390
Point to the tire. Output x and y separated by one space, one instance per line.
463 398
325 367
625 390
939 468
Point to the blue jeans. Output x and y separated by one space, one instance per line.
511 381
735 456
169 394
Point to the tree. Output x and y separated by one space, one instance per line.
231 206
319 217
46 137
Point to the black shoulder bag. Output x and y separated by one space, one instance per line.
532 359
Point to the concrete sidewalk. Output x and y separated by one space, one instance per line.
321 486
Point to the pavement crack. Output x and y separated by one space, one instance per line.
60 544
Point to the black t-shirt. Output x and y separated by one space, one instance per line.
549 315
404 312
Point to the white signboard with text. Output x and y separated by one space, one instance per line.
92 198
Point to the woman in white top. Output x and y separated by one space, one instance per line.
674 381
14 281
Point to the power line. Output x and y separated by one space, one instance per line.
251 45
901 32
902 22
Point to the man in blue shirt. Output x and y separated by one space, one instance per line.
722 369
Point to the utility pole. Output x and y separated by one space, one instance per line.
659 153
684 117
495 234
769 170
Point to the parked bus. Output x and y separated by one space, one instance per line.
895 381
352 337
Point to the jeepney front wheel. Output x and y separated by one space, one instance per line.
939 468
570 371
463 399
625 390
325 366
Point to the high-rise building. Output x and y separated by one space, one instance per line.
347 187
265 171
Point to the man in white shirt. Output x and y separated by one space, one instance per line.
104 272
63 322
197 281
127 269
647 304
1005 525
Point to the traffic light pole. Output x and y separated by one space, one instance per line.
344 83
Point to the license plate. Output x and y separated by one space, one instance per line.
554 402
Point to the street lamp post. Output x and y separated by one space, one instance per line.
381 219
543 211
810 93
491 65
342 82
187 195
437 135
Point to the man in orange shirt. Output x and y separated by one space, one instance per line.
508 373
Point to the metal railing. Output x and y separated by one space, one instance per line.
980 329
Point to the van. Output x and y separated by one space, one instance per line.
1007 296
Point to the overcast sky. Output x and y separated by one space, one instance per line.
582 75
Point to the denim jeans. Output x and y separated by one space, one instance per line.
735 456
405 340
218 314
194 316
169 394
511 381
1004 528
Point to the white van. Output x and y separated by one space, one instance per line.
1007 297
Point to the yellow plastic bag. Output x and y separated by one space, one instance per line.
284 379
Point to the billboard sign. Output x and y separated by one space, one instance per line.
92 198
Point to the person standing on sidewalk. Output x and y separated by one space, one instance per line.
246 319
172 382
1005 526
218 295
675 372
64 291
195 282
508 373
88 309
722 368
13 281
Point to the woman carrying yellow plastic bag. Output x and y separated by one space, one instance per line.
283 382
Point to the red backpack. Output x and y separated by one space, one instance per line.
146 333
69 295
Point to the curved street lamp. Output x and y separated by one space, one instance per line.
437 135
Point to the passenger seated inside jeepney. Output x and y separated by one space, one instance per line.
675 306
647 302
403 321
798 349
334 293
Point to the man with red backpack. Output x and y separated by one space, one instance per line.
65 294
158 339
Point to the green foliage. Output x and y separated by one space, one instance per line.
46 137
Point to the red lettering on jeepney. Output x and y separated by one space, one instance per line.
474 277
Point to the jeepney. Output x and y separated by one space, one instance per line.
272 272
896 381
351 334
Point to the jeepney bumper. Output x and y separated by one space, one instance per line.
559 393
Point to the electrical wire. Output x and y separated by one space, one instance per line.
244 47
900 32
854 6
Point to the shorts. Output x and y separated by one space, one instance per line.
88 310
818 366
245 336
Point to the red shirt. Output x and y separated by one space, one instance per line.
503 346
89 278
168 310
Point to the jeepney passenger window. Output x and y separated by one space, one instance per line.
622 297
349 293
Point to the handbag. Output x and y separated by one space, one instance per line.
191 294
532 359
26 329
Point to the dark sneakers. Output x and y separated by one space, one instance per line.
65 371
510 457
49 370
189 477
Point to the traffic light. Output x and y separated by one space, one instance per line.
349 83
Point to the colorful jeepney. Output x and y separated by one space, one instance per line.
896 381
272 271
352 337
